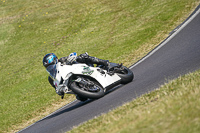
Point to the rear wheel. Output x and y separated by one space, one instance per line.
125 74
86 88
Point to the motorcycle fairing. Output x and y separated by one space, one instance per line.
82 69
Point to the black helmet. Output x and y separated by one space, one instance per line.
49 59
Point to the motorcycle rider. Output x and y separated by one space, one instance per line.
51 58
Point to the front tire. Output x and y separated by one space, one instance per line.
78 89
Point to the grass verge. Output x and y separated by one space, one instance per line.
121 31
172 108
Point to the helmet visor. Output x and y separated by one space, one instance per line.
52 70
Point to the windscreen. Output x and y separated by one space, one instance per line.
52 70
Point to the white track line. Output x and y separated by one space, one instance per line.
167 40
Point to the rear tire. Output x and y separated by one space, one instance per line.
126 75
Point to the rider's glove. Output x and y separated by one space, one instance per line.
72 57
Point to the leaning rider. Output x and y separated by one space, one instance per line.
51 58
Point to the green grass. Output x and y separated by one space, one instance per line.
172 108
121 31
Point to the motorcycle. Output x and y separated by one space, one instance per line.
86 81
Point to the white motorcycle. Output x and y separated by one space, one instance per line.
87 81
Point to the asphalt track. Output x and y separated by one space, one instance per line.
177 55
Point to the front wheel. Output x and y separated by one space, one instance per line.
125 74
87 89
